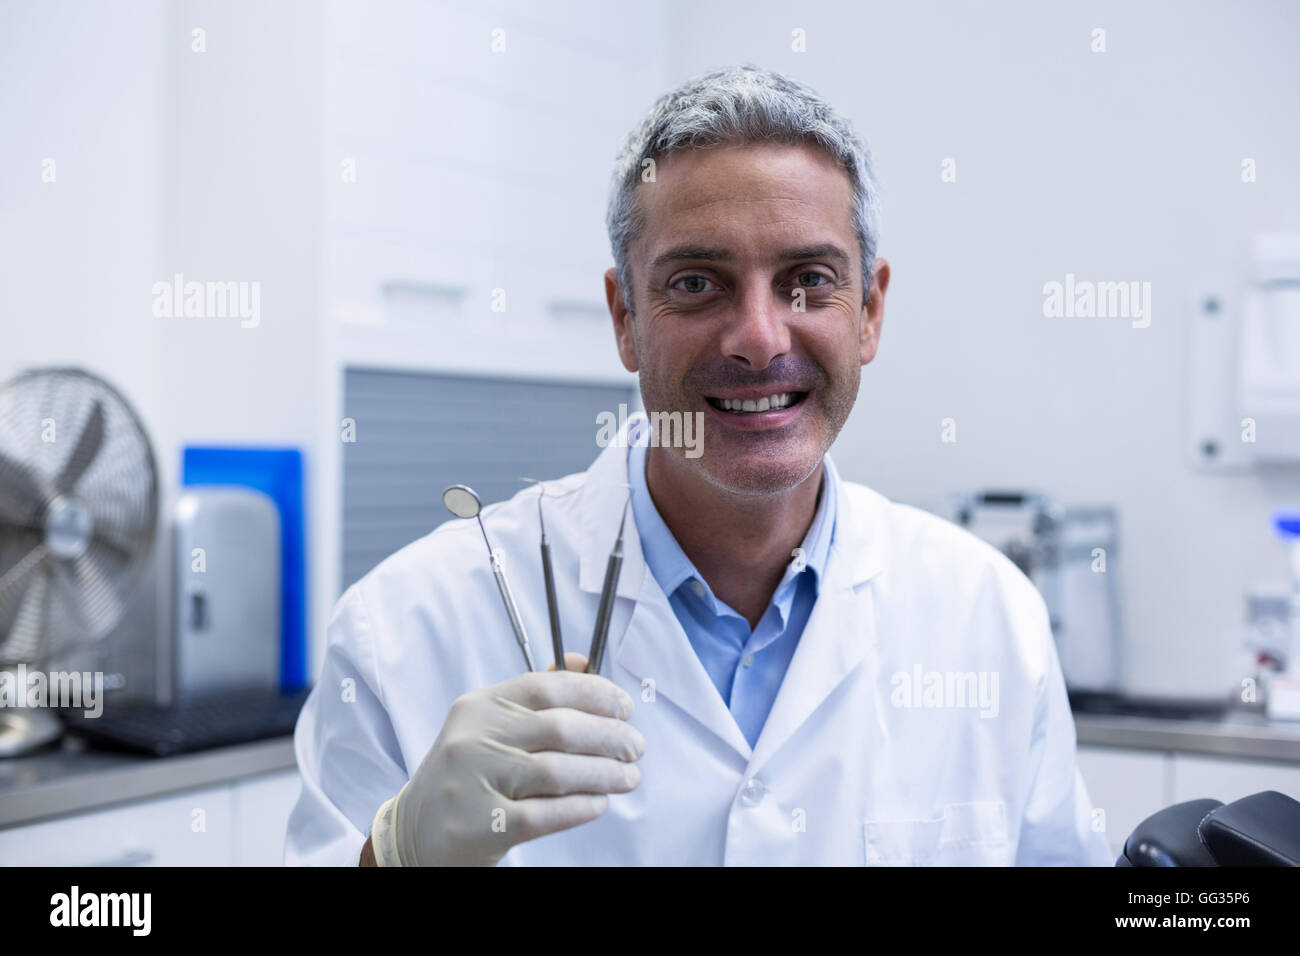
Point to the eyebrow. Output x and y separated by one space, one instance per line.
827 250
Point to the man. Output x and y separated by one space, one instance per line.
799 670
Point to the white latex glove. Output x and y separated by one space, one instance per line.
515 761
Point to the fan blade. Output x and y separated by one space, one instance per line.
115 541
21 497
14 580
91 593
88 442
33 526
24 640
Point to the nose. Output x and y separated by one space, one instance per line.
758 332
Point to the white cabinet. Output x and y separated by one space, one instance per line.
1128 785
241 823
262 807
195 828
1227 780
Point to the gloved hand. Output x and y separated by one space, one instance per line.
515 761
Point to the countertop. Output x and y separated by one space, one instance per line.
71 779
1244 735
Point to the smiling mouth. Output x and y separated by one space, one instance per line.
749 406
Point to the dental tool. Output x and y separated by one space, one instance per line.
606 609
548 575
462 501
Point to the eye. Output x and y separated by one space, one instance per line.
811 280
693 285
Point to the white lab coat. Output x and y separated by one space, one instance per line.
843 773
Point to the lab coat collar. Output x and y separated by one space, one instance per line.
840 633
652 645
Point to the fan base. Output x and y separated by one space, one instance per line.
25 729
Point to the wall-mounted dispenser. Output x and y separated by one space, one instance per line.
1246 364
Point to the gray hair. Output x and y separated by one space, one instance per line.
740 106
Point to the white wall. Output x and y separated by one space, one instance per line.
167 160
1115 166
477 161
78 255
86 88
243 202
478 171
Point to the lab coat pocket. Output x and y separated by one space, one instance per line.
968 834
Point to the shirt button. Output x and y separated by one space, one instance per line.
751 794
749 660
698 587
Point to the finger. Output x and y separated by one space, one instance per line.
553 774
588 692
573 731
573 661
539 816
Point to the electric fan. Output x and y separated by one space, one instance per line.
78 510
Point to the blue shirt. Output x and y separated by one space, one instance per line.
747 666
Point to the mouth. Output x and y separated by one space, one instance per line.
757 403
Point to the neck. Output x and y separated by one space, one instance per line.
740 544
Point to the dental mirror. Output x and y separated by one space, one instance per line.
461 501
464 503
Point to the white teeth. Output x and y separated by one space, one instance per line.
769 402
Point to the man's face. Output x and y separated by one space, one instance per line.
747 288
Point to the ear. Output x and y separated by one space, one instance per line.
873 311
624 333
